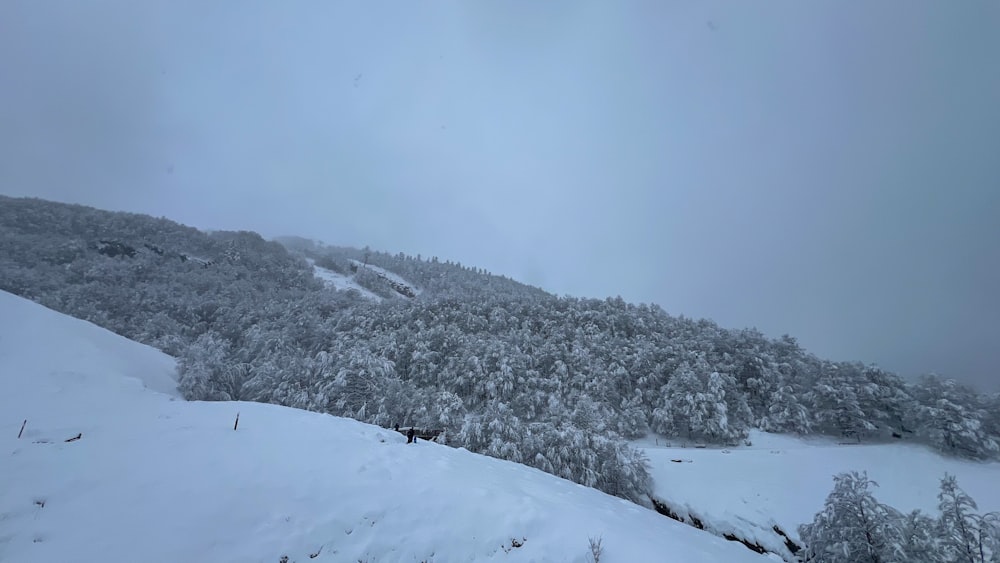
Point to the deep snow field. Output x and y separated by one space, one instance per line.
783 480
153 478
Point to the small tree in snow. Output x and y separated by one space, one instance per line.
596 550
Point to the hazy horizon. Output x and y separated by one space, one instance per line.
824 170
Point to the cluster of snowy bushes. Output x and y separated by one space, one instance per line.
504 369
854 527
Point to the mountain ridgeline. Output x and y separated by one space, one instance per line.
504 369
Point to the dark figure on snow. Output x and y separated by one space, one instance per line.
409 436
396 427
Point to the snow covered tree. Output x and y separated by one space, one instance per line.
966 536
589 415
681 410
496 433
202 366
631 422
786 413
919 539
622 470
504 433
757 380
700 403
853 527
990 407
448 409
883 398
950 420
304 381
715 421
990 534
232 383
423 363
357 386
739 417
835 403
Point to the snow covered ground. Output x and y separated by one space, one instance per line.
783 480
154 478
340 282
394 278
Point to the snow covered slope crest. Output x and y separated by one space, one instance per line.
340 282
112 466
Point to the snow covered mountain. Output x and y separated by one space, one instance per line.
111 465
560 384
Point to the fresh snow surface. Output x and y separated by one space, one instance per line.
340 282
157 479
784 480
35 340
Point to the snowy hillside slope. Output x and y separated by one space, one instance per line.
153 478
398 283
783 481
340 282
35 340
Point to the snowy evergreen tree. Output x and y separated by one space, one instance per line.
884 398
681 409
358 386
949 418
631 422
786 413
504 433
589 415
853 527
990 535
622 470
836 405
447 408
920 542
967 536
202 367
990 407
738 413
715 420
757 379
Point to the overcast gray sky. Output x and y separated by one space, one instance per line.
825 169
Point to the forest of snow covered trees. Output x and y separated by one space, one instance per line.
559 383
